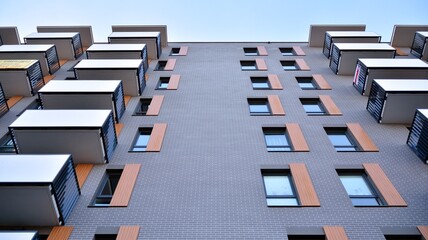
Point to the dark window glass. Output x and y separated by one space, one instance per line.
289 65
403 237
259 106
6 144
175 51
260 83
251 52
248 65
359 190
160 66
163 83
340 139
279 189
287 51
306 83
306 237
105 236
276 140
143 106
313 106
141 140
107 187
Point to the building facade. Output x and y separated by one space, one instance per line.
255 140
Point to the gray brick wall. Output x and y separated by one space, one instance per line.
206 182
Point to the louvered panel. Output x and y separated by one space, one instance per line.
376 101
360 77
119 101
35 76
52 58
145 59
418 136
418 45
141 80
3 103
159 46
109 137
77 46
327 45
66 190
334 59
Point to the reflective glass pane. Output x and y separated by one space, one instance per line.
278 202
339 139
292 67
259 108
276 140
263 85
312 108
248 67
365 202
307 85
163 85
278 185
356 185
142 140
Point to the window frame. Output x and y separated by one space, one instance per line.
307 80
5 146
248 63
278 131
251 51
260 80
116 172
160 66
342 131
175 51
137 111
259 101
284 51
375 194
161 81
314 101
283 173
141 130
286 63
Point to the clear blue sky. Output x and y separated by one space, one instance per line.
219 20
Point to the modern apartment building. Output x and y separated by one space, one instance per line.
236 140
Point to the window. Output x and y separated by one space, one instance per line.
306 83
403 237
163 83
259 106
142 106
161 65
175 52
276 140
141 140
113 233
279 188
260 83
306 237
313 106
6 144
289 65
107 187
341 140
359 189
287 51
251 52
248 65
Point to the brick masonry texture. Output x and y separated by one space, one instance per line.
205 183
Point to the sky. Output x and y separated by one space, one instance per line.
213 21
